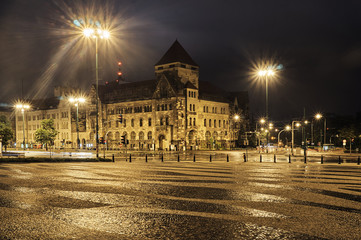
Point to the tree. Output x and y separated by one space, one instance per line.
47 133
6 132
348 133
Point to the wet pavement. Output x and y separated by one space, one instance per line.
180 200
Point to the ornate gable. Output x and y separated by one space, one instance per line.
164 88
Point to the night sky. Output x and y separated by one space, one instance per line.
318 43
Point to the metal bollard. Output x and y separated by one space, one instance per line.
130 157
227 158
210 158
274 158
260 158
178 157
358 160
194 158
321 159
244 157
113 157
305 159
339 159
146 158
162 158
289 158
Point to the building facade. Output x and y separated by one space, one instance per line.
173 111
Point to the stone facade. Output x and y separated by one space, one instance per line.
173 111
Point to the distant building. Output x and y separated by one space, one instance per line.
173 111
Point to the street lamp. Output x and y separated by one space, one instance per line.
266 74
76 102
287 128
318 116
236 118
23 107
298 124
102 34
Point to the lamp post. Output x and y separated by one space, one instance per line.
22 107
76 102
102 34
287 128
318 116
293 128
236 118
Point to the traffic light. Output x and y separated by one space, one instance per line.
101 140
120 118
122 139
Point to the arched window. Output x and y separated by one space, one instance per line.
210 123
194 122
125 122
149 122
167 121
190 121
149 135
204 108
220 125
161 121
190 107
132 135
208 135
141 135
224 123
132 123
141 122
194 107
215 123
205 122
207 108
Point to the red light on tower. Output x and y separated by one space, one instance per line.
119 63
119 73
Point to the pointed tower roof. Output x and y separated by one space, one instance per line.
176 53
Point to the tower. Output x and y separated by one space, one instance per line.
177 60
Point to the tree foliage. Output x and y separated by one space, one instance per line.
47 133
6 132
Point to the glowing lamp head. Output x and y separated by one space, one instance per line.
88 32
288 127
318 116
106 34
298 124
236 117
262 120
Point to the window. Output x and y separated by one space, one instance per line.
210 123
205 122
224 123
149 122
171 66
170 106
116 124
125 122
160 68
183 66
190 107
141 122
158 108
215 110
141 135
215 123
110 124
149 135
132 123
204 108
194 122
195 94
219 123
190 121
132 136
189 94
212 109
194 107
207 108
161 121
